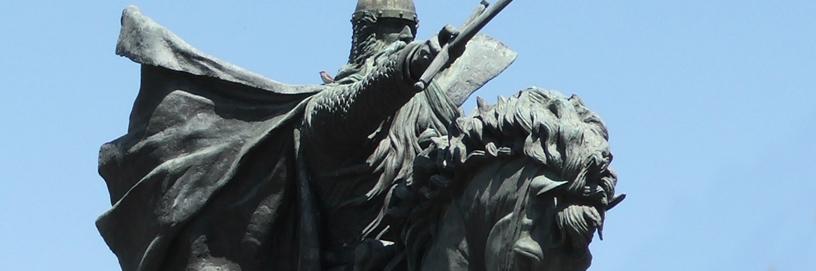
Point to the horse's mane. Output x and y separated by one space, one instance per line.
560 134
557 132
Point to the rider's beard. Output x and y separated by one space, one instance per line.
362 50
367 48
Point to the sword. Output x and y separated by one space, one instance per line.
484 13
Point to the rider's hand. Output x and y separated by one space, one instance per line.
426 53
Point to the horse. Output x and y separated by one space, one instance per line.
522 185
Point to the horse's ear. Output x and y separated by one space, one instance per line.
615 201
542 184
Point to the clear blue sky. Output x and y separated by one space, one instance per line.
710 105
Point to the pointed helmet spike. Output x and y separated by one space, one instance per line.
397 9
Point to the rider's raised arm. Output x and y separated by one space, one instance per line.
349 112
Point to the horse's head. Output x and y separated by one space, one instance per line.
535 167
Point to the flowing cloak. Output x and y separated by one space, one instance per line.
211 143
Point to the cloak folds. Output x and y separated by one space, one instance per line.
208 173
204 133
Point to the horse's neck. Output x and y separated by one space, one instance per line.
496 188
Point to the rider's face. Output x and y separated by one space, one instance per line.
391 30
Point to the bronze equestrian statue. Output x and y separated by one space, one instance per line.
223 169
